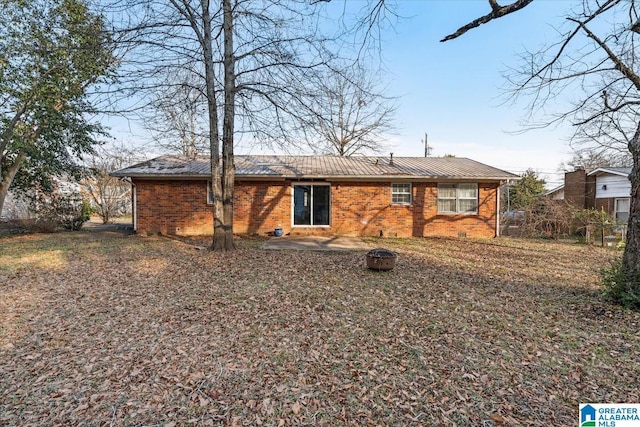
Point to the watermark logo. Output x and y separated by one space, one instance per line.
587 416
609 415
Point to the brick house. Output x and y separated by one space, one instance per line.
358 196
606 188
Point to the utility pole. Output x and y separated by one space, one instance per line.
427 149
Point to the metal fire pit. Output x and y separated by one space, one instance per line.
381 259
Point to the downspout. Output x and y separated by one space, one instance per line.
500 186
134 203
498 192
134 207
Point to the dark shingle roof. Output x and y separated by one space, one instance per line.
320 167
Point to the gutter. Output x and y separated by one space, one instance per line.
369 178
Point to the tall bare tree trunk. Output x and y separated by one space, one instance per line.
214 137
228 167
631 257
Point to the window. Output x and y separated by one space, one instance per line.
209 193
311 204
622 210
401 193
458 198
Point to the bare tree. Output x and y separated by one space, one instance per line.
251 61
590 158
177 119
595 59
349 115
110 196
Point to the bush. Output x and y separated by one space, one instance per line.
53 211
619 286
547 218
594 224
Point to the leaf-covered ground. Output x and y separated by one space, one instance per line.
100 329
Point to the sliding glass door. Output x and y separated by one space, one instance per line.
311 204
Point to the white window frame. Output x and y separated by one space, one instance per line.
458 198
615 212
395 192
312 183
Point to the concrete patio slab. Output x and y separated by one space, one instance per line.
316 243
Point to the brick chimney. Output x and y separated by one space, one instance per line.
579 189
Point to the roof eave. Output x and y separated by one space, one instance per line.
606 170
157 176
309 177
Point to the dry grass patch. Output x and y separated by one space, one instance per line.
150 331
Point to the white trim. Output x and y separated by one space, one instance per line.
134 214
312 183
610 171
553 190
498 195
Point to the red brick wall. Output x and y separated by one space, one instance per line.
580 189
173 207
574 187
608 205
365 209
260 207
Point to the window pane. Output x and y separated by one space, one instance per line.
468 191
401 198
321 204
400 188
302 205
467 205
446 205
446 198
622 205
446 191
622 217
209 193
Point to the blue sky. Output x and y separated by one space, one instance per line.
452 90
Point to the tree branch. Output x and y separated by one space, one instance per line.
618 63
497 11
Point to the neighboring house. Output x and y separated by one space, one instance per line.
555 193
361 196
605 188
14 208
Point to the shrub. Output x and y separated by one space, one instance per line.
619 286
53 211
594 224
547 218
